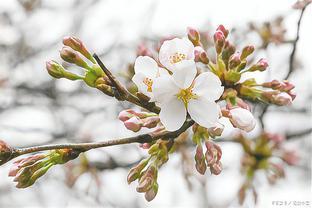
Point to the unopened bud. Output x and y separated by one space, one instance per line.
151 122
216 130
247 51
234 60
151 194
219 40
200 160
261 65
133 124
17 165
282 98
147 179
77 45
223 30
71 56
228 50
134 172
291 157
57 71
242 119
5 152
216 168
201 55
193 35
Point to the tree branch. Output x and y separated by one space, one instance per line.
83 147
294 45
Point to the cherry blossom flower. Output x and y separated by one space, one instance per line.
242 119
177 53
180 94
146 70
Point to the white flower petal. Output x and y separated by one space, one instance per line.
186 47
172 114
203 111
208 85
164 88
184 73
138 81
146 65
171 47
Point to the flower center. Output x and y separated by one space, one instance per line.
149 83
177 57
186 95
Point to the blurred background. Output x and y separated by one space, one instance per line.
37 109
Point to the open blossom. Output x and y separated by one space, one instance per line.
177 55
242 118
180 94
146 70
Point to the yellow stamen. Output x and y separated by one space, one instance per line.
186 95
149 83
177 57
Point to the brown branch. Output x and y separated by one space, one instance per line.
298 134
122 93
83 147
294 45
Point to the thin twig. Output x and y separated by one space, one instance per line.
294 45
83 147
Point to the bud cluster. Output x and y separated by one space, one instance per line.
75 52
260 154
281 93
28 170
147 170
134 121
212 156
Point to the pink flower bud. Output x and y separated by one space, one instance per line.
201 55
200 160
282 98
125 115
275 138
261 65
71 56
142 50
151 194
5 152
193 36
223 30
242 119
234 60
291 157
216 130
133 124
219 40
55 69
77 45
216 168
247 51
151 122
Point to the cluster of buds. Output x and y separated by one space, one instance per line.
28 170
134 121
280 93
212 156
147 170
75 52
260 154
230 65
6 152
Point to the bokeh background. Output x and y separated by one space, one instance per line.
37 109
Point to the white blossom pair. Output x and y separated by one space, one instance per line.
178 91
